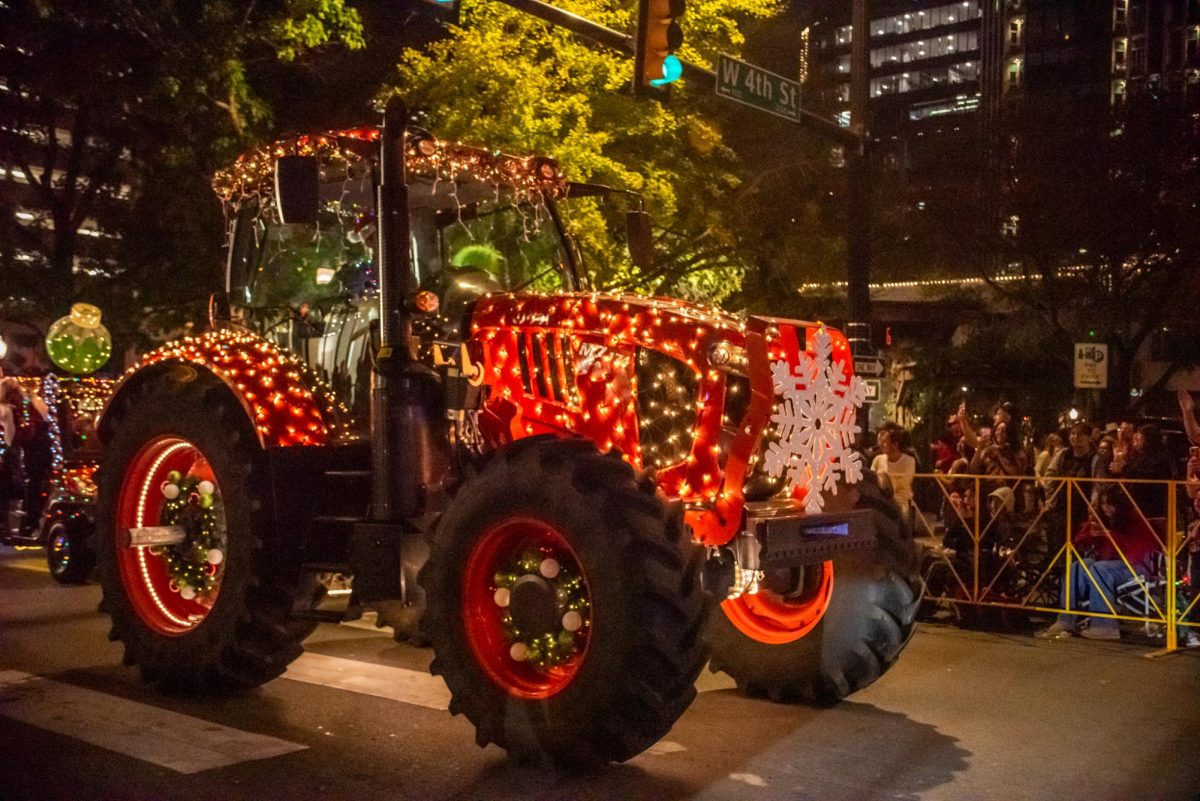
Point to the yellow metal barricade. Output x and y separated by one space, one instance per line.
1025 551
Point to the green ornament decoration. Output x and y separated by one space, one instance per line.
79 343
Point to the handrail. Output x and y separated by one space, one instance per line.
1027 561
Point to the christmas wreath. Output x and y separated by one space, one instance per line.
189 502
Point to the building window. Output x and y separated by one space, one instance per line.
948 44
1118 92
925 78
1120 13
1191 52
1012 78
1015 26
924 20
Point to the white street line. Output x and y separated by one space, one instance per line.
34 565
396 684
168 739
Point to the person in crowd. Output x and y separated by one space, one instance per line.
8 430
1002 413
1078 460
1146 458
1119 540
1104 455
943 450
894 467
995 455
31 436
958 517
1191 565
1051 450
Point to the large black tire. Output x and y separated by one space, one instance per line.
68 550
870 618
247 637
645 648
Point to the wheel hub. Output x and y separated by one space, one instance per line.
534 606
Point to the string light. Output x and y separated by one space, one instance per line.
700 427
345 154
288 404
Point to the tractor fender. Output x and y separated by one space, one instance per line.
283 402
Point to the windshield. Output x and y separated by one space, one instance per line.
595 216
516 244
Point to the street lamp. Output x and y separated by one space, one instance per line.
1073 414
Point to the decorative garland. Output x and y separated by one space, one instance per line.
189 502
549 650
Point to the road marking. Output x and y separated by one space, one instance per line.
396 684
34 565
168 739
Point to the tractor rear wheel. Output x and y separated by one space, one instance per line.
213 610
840 633
564 605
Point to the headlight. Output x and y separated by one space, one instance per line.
666 396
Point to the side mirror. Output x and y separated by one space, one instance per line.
641 239
297 189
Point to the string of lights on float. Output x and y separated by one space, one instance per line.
274 384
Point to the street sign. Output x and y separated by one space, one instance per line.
874 389
1091 365
868 365
757 87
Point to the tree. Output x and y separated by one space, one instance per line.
117 115
1109 243
507 80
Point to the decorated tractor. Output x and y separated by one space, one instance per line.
47 486
409 380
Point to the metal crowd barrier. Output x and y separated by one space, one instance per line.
975 560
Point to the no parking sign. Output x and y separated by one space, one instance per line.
1091 365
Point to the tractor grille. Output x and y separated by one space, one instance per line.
547 366
666 397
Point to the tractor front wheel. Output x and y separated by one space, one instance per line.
839 631
564 605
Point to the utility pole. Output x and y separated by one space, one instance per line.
858 235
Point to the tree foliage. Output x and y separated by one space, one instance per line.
506 80
116 114
1110 243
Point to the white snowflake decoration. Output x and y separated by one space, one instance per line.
815 419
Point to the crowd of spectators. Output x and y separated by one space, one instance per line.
1118 505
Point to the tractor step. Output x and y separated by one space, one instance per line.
329 615
343 568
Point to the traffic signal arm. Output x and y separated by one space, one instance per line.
624 43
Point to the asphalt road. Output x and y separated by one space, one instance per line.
962 716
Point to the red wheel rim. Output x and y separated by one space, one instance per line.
495 552
145 574
772 619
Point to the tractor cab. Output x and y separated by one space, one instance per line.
480 222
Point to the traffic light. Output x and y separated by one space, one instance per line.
658 37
